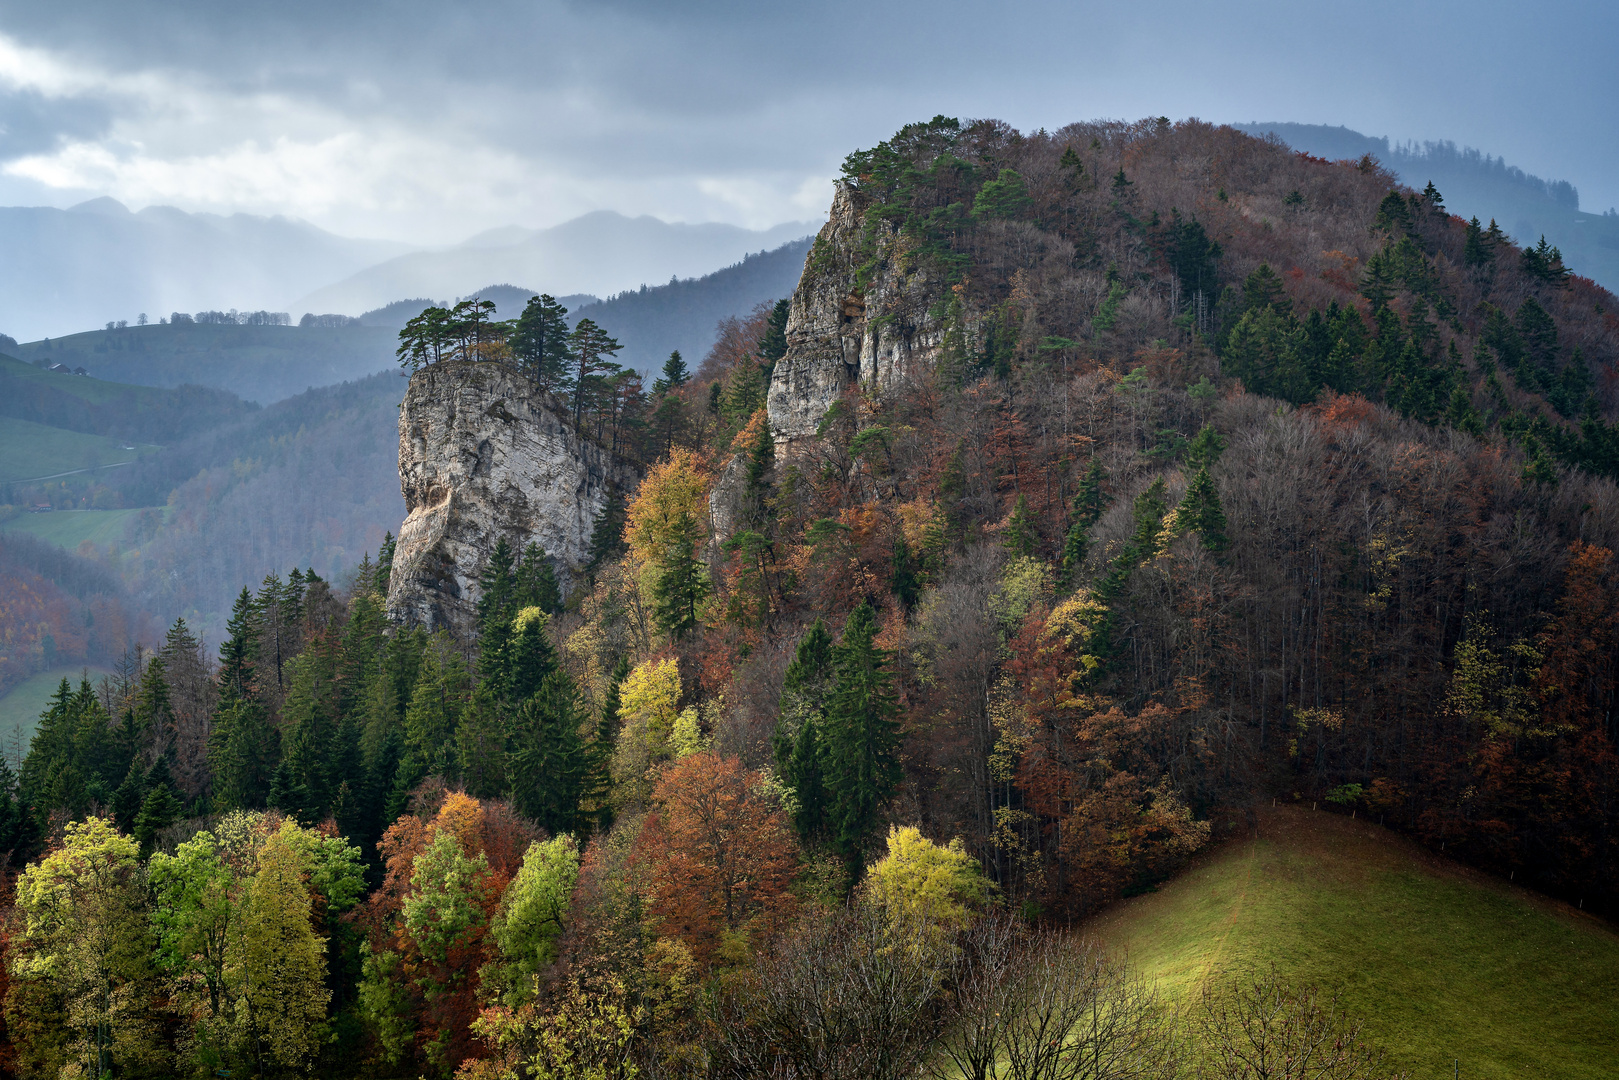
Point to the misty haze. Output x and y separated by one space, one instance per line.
620 541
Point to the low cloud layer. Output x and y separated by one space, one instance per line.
429 122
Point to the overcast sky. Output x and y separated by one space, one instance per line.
429 122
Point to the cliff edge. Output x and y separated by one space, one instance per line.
859 313
481 457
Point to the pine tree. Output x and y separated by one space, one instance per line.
861 747
1092 499
802 772
160 809
588 347
530 655
597 788
496 591
1206 448
905 579
539 341
1435 200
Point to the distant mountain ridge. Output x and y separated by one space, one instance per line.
600 253
68 270
269 363
1474 183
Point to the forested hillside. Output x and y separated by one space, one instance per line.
1095 488
261 362
1474 183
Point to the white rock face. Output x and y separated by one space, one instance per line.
840 332
480 458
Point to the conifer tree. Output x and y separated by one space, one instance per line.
674 375
244 754
773 343
237 652
548 762
535 583
539 341
1021 538
680 582
607 536
1200 511
385 564
161 807
596 790
861 738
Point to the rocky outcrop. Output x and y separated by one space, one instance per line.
841 330
482 457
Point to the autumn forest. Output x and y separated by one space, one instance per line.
1228 477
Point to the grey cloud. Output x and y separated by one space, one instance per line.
658 93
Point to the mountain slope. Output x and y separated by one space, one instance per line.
650 323
258 363
68 269
1475 184
1444 964
599 253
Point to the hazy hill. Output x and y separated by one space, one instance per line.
235 491
1474 183
650 322
599 253
69 269
509 302
1443 964
259 363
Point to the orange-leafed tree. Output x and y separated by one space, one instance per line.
720 852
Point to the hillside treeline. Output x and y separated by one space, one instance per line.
1239 476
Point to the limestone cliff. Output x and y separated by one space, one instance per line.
841 329
481 457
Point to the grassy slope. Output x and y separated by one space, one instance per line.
20 708
70 528
29 450
96 391
1443 963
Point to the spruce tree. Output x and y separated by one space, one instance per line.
861 738
243 752
1021 538
674 375
607 536
161 807
773 343
1200 511
680 582
237 652
547 762
535 583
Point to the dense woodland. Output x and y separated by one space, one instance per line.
1240 476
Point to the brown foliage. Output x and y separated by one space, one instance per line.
720 856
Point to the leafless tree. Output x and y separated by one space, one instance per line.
845 996
1256 1026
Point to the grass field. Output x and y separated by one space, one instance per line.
70 528
20 709
29 450
1442 963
